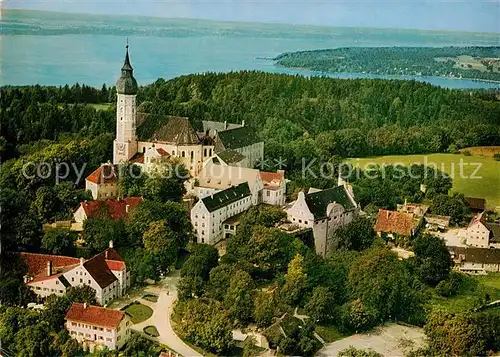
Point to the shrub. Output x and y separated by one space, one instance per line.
449 287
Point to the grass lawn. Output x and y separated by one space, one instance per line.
138 312
151 331
488 176
329 333
150 297
101 106
472 290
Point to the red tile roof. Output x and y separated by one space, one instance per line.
162 152
272 177
114 265
99 267
106 173
115 209
138 158
37 263
395 222
94 315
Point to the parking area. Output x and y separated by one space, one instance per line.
392 340
453 237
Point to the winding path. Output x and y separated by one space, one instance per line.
162 309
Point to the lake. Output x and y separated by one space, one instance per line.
56 49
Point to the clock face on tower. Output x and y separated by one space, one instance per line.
120 149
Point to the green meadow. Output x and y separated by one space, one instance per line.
474 176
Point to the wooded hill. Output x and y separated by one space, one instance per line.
461 62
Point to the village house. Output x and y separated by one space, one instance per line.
141 138
418 210
274 191
114 209
393 224
482 234
103 182
421 214
475 204
97 327
323 211
106 273
210 212
476 260
436 222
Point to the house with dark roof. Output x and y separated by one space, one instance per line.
324 211
476 260
111 209
232 158
96 327
482 234
209 213
140 136
475 204
242 140
49 274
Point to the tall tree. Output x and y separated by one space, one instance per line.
432 259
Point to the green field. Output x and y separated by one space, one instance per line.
470 294
102 106
485 182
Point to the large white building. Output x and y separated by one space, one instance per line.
96 327
218 184
209 213
323 211
141 138
49 274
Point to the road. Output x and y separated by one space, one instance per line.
162 309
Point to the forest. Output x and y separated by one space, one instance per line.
322 119
480 63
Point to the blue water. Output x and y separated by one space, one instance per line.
58 49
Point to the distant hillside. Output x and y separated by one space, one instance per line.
461 62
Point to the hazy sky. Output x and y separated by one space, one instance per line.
466 15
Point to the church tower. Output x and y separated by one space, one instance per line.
125 144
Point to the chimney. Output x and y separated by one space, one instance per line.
106 254
81 260
225 124
127 208
49 268
84 305
387 212
242 123
110 244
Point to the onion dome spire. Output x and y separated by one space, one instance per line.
126 84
